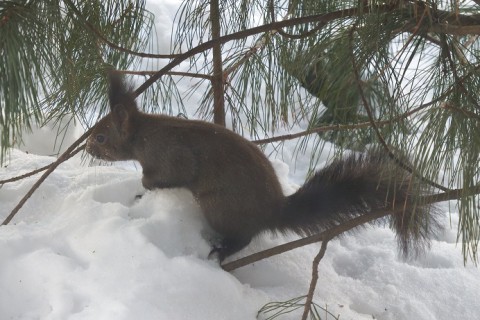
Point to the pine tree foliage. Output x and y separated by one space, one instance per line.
408 68
53 58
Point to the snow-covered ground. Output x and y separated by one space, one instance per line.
84 247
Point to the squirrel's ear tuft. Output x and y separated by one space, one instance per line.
121 119
123 108
120 93
117 85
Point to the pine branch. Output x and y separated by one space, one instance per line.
327 234
454 194
302 35
34 172
344 227
338 127
313 282
466 113
171 73
65 156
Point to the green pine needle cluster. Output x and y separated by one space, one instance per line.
275 310
53 58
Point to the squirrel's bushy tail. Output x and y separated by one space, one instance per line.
359 185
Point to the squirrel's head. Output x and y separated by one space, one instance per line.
112 136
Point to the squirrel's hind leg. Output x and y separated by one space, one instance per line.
228 247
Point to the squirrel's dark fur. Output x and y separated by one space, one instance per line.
236 186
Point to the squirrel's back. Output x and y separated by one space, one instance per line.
235 184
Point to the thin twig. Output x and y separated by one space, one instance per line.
53 166
313 282
171 73
250 52
337 127
261 42
34 172
467 113
259 45
302 35
453 194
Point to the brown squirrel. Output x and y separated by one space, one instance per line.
236 186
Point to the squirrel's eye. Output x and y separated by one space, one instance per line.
100 138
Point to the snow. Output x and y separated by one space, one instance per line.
86 247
